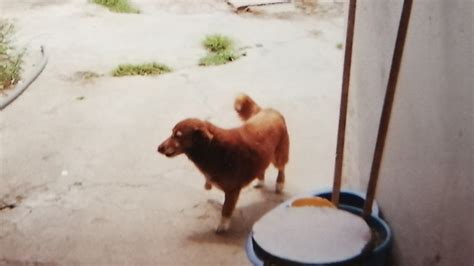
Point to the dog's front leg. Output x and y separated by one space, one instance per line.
231 198
261 181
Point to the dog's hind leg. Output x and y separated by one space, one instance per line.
280 183
280 160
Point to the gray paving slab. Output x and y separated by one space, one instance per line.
78 156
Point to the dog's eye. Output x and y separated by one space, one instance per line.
178 134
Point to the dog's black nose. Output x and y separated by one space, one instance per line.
161 149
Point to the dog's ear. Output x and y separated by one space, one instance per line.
203 133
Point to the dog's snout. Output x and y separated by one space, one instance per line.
167 148
161 148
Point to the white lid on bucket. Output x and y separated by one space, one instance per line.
312 234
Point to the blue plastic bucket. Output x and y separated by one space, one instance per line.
376 257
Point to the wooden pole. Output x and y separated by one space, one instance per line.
387 106
346 76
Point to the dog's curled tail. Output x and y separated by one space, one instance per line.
246 107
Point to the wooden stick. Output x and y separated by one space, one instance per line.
387 106
346 76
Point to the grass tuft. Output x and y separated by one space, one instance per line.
119 6
140 70
220 58
217 43
220 49
10 59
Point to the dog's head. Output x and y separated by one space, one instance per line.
186 134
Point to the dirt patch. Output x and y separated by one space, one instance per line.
83 76
294 10
9 204
308 6
14 262
46 3
4 206
266 13
191 6
320 8
31 4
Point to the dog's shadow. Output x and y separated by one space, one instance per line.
243 219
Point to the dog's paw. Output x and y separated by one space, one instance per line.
223 226
279 187
207 186
260 184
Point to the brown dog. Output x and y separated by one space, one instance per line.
231 158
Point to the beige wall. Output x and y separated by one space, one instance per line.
426 184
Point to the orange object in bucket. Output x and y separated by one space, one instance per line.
313 201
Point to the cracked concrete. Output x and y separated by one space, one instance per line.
84 176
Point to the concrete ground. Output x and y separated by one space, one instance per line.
78 160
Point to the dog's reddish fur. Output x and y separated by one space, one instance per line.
231 158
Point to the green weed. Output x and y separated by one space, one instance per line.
119 6
140 69
220 58
221 50
10 59
217 43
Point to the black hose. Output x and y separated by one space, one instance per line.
20 88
